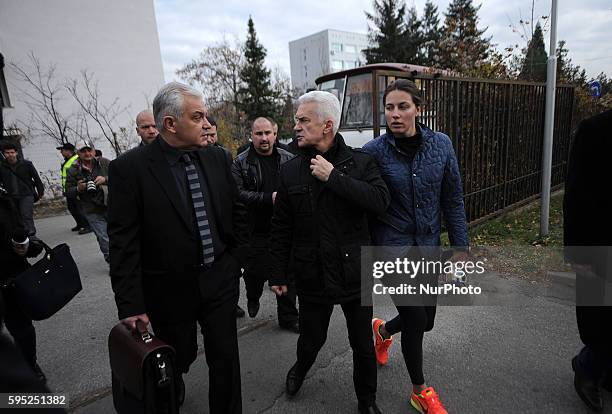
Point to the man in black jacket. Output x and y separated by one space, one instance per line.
321 221
177 234
23 184
15 246
256 172
587 235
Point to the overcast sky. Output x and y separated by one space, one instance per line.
187 26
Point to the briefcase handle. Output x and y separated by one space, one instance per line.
144 333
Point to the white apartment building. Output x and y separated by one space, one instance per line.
115 40
324 52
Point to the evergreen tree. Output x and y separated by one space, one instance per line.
463 47
387 36
431 34
257 96
413 38
534 62
567 72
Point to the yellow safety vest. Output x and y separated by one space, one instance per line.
67 164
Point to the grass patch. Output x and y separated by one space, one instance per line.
513 247
521 227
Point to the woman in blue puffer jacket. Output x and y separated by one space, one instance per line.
420 169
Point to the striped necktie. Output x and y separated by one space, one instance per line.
197 198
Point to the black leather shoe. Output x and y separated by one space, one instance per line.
239 312
39 373
588 390
75 228
368 409
294 380
85 230
291 326
180 391
253 307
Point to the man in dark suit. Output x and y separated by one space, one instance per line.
177 233
587 235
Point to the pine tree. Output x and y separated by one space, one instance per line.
413 38
431 34
257 96
463 47
387 36
534 64
567 72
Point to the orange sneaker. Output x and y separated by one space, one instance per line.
427 402
381 345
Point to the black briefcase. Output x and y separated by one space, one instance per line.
143 372
49 284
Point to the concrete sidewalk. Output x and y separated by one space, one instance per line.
480 360
487 359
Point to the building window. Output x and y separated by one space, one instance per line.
350 48
349 64
336 65
336 47
304 54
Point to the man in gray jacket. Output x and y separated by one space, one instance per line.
87 180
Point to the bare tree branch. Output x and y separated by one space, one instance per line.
86 92
42 94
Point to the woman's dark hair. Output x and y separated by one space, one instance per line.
407 86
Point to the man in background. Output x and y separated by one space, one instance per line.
87 180
256 172
145 127
70 156
22 183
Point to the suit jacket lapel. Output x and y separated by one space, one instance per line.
161 171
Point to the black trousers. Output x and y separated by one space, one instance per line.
75 212
20 327
314 322
413 322
595 358
255 276
217 319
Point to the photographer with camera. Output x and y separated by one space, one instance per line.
87 180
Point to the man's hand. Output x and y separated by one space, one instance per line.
273 198
99 180
279 290
130 321
81 186
21 248
321 168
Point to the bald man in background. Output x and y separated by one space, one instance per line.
145 127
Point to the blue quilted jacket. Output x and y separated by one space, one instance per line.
421 191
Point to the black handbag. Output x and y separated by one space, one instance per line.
49 284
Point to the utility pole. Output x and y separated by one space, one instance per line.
549 122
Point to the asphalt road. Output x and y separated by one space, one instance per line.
485 359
